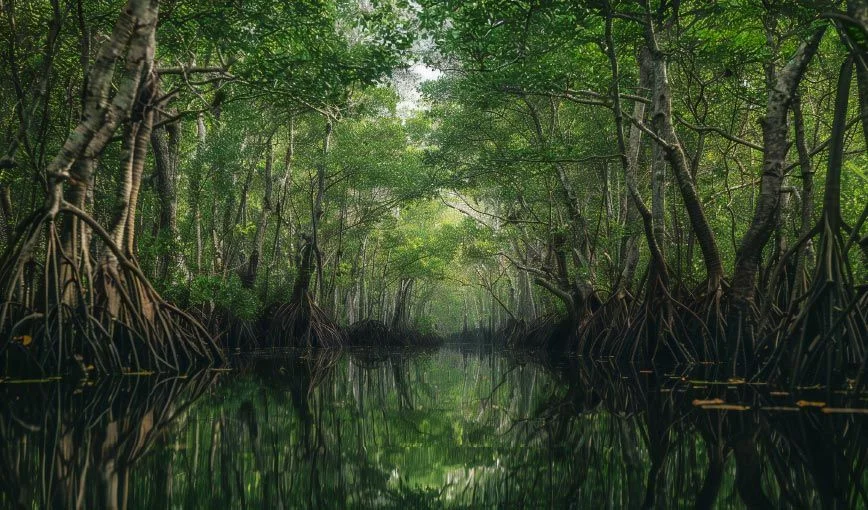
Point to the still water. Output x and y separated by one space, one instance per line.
456 427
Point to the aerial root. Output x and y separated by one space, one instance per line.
64 315
301 323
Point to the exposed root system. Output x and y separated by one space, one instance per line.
301 323
54 312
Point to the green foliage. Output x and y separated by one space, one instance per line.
512 153
225 294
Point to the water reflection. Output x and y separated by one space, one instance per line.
456 428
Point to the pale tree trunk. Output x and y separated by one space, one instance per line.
135 151
134 155
782 88
197 206
249 279
658 196
668 138
317 206
142 142
401 317
280 206
805 253
630 157
132 38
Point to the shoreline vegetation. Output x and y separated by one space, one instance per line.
655 181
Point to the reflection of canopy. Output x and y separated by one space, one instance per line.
451 428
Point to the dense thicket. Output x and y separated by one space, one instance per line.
656 179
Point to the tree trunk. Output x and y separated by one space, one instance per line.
195 199
134 154
166 144
630 154
665 130
249 279
658 196
280 206
401 317
6 210
782 88
805 253
74 165
317 206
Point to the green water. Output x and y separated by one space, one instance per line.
456 427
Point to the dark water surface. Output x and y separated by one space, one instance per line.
450 428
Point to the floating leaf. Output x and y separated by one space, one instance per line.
780 408
32 381
844 410
808 403
727 407
24 340
714 401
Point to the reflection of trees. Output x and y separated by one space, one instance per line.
456 429
691 457
303 431
74 447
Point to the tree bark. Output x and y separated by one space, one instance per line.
658 196
630 154
665 129
782 88
317 206
805 254
401 317
71 171
249 279
166 145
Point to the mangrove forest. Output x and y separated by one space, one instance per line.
434 254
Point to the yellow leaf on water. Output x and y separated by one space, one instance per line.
844 410
727 407
24 340
713 401
808 403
